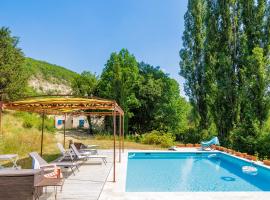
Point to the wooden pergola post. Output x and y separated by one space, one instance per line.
123 130
42 134
120 137
1 111
64 143
114 138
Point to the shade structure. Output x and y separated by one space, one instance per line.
70 105
60 105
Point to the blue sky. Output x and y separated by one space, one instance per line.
81 34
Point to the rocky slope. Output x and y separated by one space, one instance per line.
46 78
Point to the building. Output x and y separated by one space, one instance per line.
78 122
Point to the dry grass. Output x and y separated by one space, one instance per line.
19 140
104 143
16 139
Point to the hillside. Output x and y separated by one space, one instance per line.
46 78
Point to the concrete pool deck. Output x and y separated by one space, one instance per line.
116 191
94 182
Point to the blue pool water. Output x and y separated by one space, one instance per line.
179 172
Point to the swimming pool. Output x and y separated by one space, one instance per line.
186 172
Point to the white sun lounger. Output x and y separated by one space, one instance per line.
41 163
84 156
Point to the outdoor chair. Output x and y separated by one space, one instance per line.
84 156
40 163
82 147
66 154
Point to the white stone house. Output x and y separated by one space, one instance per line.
78 122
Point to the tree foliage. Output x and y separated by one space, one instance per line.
12 79
84 84
49 72
233 63
161 107
151 100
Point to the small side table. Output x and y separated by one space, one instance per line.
10 157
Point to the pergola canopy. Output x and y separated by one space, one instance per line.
59 105
71 105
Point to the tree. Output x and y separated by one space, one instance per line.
118 80
12 76
233 64
84 84
161 107
192 60
225 103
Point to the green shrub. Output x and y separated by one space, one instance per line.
193 135
27 124
159 138
263 146
48 124
134 138
244 139
32 120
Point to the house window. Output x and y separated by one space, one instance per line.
59 122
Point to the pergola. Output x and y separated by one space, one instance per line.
71 105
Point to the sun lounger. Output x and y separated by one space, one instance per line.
66 153
85 148
81 156
40 163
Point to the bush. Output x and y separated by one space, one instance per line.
263 145
244 139
134 138
31 120
159 138
48 124
192 135
27 124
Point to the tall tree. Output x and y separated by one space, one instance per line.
225 103
118 80
234 65
12 76
192 60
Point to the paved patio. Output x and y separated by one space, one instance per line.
87 183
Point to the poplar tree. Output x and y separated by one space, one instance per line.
231 68
192 60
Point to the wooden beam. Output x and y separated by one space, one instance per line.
123 134
64 143
114 138
120 138
1 112
42 134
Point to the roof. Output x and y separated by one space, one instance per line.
58 105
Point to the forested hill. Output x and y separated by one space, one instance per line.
48 78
